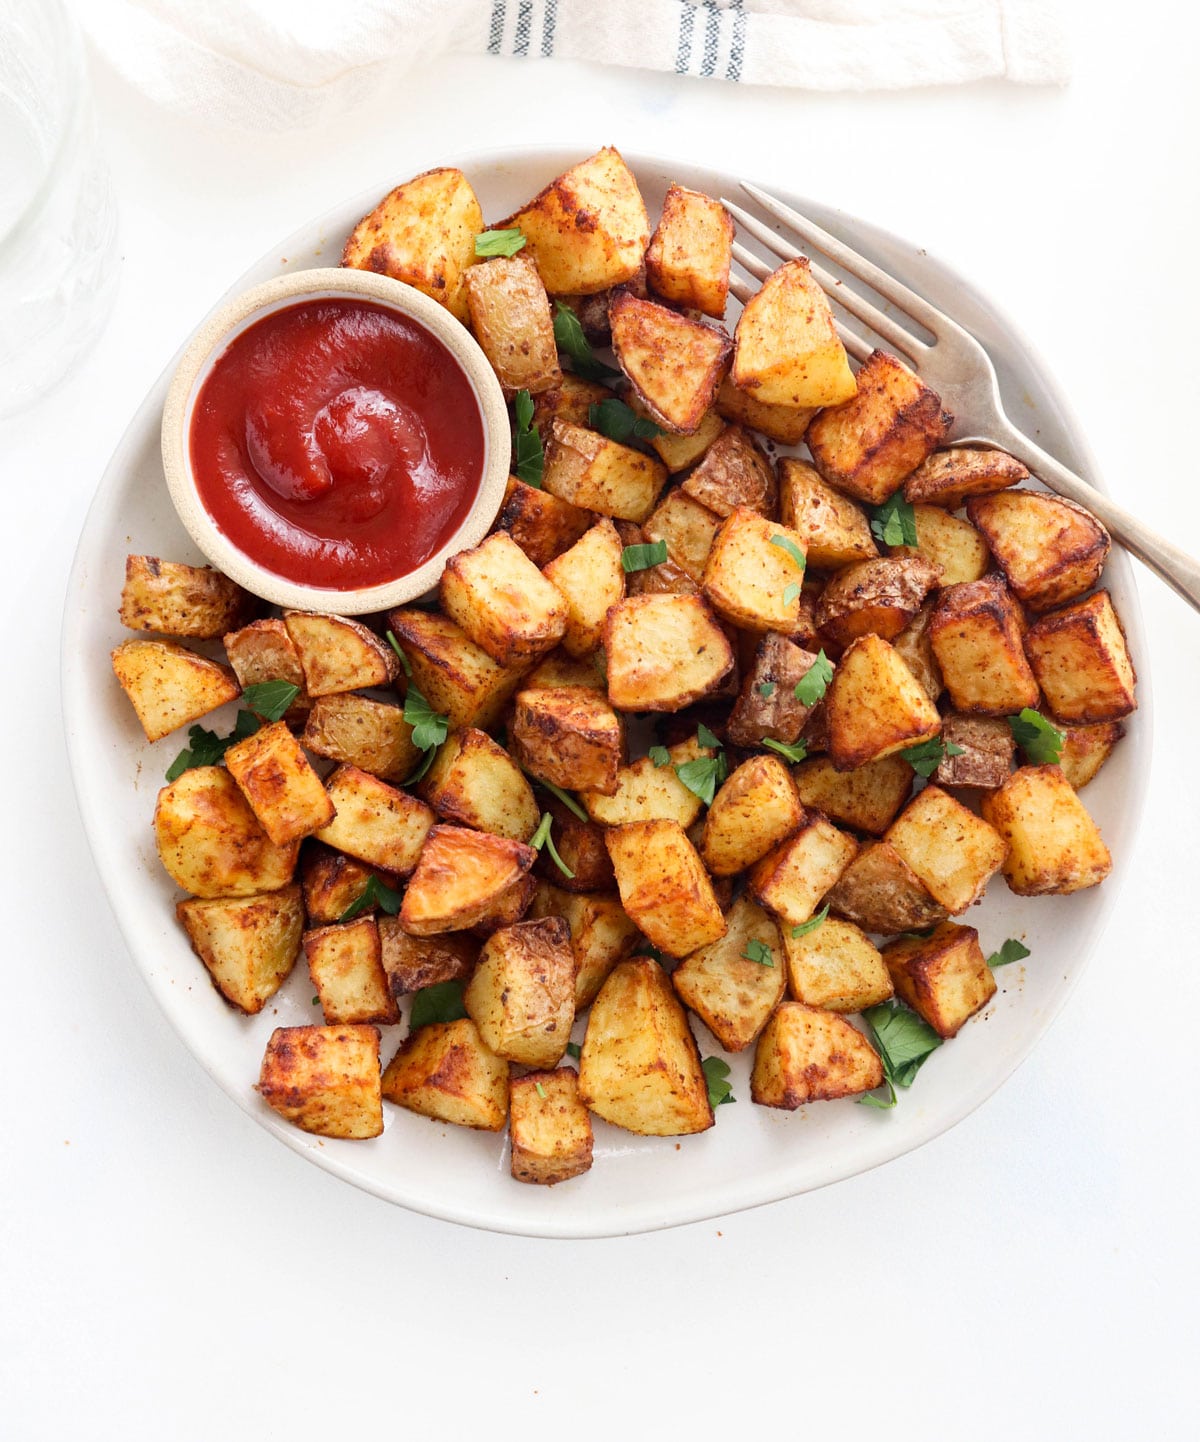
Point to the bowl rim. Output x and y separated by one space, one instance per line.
232 317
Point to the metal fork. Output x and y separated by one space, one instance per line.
956 366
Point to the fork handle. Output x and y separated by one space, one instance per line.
1179 570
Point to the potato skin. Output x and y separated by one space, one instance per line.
570 737
211 843
1050 549
360 732
879 596
880 892
510 315
521 994
949 477
779 665
178 600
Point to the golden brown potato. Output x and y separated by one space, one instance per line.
549 1127
664 887
248 943
263 651
879 596
640 1068
687 261
753 578
943 977
1080 659
422 233
454 675
947 478
915 649
785 424
948 847
734 472
375 822
445 1072
338 654
975 632
987 747
755 809
806 1055
360 732
332 881
647 791
459 876
346 966
541 524
601 934
211 843
674 364
170 686
411 963
833 529
834 966
507 909
787 350
557 669
571 738
881 893
875 706
1086 749
521 994
325 1079
502 601
570 400
510 315
952 545
767 705
791 880
600 474
1054 846
476 783
867 798
734 984
179 600
688 529
867 445
1050 549
277 779
590 579
664 652
678 452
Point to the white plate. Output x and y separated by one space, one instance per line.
753 1154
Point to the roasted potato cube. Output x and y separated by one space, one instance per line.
411 963
678 452
787 350
688 529
590 579
211 843
502 601
987 747
687 261
880 597
549 1127
867 798
948 847
570 737
943 977
947 478
785 424
170 686
332 881
476 783
1049 549
807 1055
834 966
179 600
1054 846
263 651
541 524
592 471
952 545
570 400
675 364
915 649
461 874
755 809
649 792
664 652
975 632
753 577
248 943
510 315
592 310
875 706
581 846
664 887
454 675
1080 659
734 472
346 966
734 984
521 994
588 230
640 1068
881 892
444 1071
791 880
375 822
277 779
1086 749
338 654
601 934
364 733
665 579
557 669
833 529
325 1079
768 705
422 233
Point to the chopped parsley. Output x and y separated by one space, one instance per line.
785 543
1041 742
374 893
569 337
529 459
617 421
925 757
659 755
811 924
895 522
811 686
1010 951
760 952
904 1043
766 690
268 701
642 557
540 1089
574 1049
793 751
404 662
565 797
440 1002
541 837
715 1071
499 242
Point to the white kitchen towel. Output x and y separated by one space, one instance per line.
283 64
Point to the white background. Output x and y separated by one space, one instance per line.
168 1271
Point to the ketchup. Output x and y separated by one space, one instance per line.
337 443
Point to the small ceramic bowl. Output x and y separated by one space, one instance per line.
210 342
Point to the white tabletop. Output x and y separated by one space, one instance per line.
167 1270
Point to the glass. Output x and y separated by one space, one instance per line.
58 240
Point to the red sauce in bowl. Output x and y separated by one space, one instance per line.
337 443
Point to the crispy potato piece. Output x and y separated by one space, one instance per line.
422 233
557 669
521 994
835 532
791 880
987 752
882 893
767 705
785 424
179 600
510 315
868 445
675 364
549 1128
570 737
947 478
601 934
332 881
374 822
1086 749
591 471
346 966
248 943
734 472
507 909
687 261
502 601
879 596
592 310
868 798
665 579
263 651
807 1055
678 452
752 578
277 779
170 686
787 350
835 967
648 792
360 732
1080 659
640 1068
460 875
875 706
454 675
688 529
943 977
571 400
755 809
948 847
952 545
731 992
211 843
325 1079
581 846
1054 845
664 887
411 963
338 654
590 579
1050 549
444 1071
541 524
975 633
476 783
664 652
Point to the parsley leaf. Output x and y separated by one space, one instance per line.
811 686
705 737
811 924
659 755
205 748
429 726
1041 742
1010 951
759 951
395 645
270 699
565 797
796 751
441 1002
569 337
719 1090
925 757
422 769
791 593
499 242
574 1049
895 523
785 543
529 460
374 892
642 557
904 1043
617 421
766 690
541 837
540 1089
701 776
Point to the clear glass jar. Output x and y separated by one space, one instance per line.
58 234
